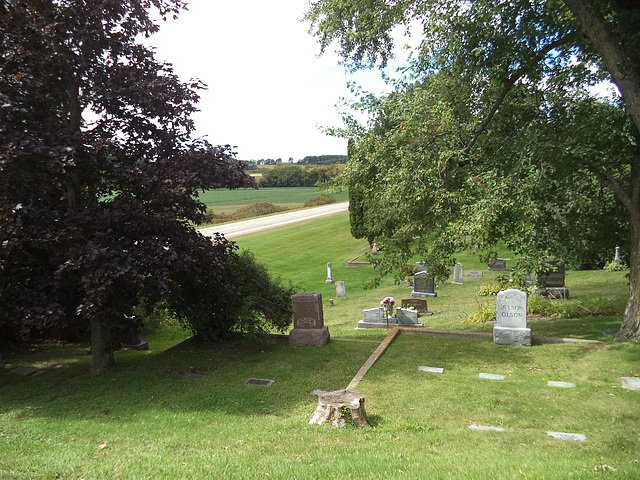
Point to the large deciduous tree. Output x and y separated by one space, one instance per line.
494 131
99 173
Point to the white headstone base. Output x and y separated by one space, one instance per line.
520 337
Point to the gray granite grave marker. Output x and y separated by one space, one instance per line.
341 291
458 274
423 286
552 284
630 383
474 273
329 276
431 369
497 264
551 383
576 437
309 329
511 319
491 376
262 382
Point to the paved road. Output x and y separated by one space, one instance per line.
256 224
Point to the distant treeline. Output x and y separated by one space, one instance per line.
294 175
308 160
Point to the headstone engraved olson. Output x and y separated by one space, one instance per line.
511 319
341 291
552 284
458 274
423 286
309 329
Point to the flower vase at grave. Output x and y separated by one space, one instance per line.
388 307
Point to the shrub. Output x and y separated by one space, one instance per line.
491 289
484 313
319 200
614 267
261 303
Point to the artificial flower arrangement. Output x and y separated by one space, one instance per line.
388 301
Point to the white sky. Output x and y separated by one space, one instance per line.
269 94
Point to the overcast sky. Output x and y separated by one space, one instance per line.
269 94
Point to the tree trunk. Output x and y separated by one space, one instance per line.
616 60
341 408
630 329
101 347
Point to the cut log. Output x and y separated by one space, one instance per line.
342 408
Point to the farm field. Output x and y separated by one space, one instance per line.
223 201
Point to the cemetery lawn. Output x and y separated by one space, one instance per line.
182 410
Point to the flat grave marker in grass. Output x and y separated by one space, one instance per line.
262 382
575 437
552 383
630 383
491 376
431 369
486 428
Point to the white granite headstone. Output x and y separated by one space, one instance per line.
511 319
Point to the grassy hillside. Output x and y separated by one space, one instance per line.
182 410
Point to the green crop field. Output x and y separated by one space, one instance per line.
226 201
182 409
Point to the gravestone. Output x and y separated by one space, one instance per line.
341 291
458 274
497 264
309 329
552 284
329 277
375 318
420 266
419 304
474 273
511 319
406 317
617 260
423 286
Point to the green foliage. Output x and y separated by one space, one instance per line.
493 131
614 267
248 211
259 304
489 289
319 200
290 175
486 312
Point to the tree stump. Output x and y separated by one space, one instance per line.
342 408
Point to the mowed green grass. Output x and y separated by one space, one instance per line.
147 420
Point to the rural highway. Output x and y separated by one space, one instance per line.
244 227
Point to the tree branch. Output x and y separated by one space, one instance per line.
506 88
616 60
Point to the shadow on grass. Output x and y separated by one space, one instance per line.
165 382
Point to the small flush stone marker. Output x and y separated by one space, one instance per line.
551 383
491 376
486 428
263 382
576 437
630 383
431 369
